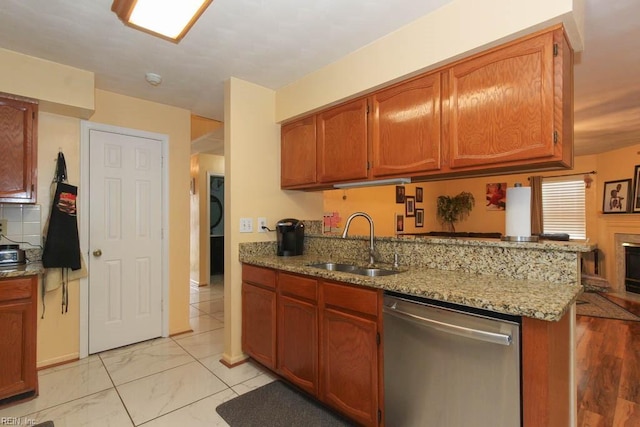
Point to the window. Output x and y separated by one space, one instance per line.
563 207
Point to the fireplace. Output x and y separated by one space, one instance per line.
632 267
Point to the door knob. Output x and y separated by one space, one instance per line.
97 253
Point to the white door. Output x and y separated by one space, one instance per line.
125 239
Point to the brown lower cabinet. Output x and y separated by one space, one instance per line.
18 377
327 338
259 314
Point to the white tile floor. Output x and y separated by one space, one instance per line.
163 382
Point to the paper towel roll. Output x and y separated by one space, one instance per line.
518 212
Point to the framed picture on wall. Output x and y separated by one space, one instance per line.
399 223
399 194
616 196
410 206
419 194
419 218
636 190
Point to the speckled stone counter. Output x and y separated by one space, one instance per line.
539 280
31 268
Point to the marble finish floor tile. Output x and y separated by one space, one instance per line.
194 312
63 385
159 394
135 347
201 324
254 383
199 414
204 344
210 307
146 360
102 409
232 376
204 295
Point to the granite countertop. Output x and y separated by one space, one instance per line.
28 269
529 298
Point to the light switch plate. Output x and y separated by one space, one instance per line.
3 226
246 225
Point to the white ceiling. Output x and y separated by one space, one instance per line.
275 42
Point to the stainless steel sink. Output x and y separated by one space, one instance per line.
354 269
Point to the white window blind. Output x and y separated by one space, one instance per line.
563 207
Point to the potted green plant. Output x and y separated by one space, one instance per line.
453 209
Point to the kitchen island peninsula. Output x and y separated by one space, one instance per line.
538 282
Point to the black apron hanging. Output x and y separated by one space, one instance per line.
62 245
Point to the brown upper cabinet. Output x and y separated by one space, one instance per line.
508 109
18 143
342 143
405 128
503 104
298 153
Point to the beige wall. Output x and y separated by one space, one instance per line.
59 88
202 165
252 189
457 29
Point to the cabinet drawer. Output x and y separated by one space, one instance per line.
303 287
259 275
351 298
15 289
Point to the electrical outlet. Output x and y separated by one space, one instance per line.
262 224
3 226
246 225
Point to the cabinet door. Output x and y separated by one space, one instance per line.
298 342
501 106
342 143
405 128
18 125
259 324
349 363
298 153
18 337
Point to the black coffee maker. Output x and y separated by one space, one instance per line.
290 233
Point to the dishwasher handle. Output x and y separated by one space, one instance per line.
486 336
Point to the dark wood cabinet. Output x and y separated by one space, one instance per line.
298 153
18 143
342 143
501 106
350 356
18 377
259 314
298 331
405 128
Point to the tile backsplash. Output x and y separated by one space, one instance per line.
24 224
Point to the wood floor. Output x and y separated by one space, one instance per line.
608 369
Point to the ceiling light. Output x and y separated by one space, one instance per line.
169 19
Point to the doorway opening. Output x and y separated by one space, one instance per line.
216 227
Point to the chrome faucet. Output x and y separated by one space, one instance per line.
346 230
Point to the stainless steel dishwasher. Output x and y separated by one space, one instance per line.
449 366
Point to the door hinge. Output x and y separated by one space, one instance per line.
33 115
367 108
379 416
33 188
555 49
555 137
368 165
378 338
